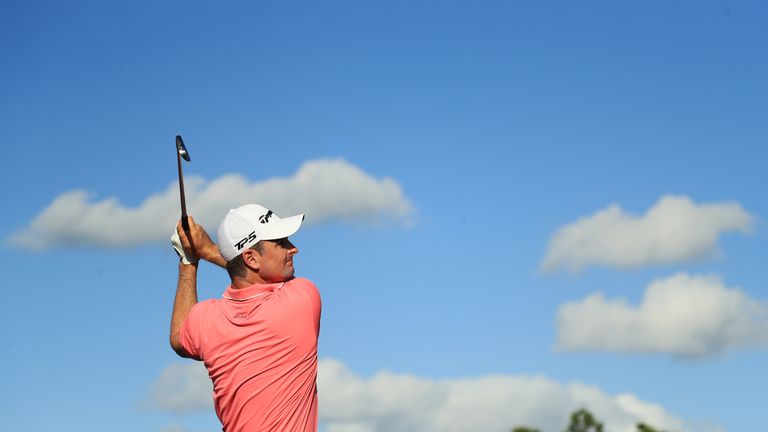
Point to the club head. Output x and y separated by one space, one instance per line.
182 149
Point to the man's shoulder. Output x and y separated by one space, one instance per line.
303 285
196 320
206 305
300 281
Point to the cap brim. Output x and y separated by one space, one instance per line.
284 227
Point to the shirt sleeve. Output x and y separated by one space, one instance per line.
313 294
189 335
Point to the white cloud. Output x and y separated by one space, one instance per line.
675 229
181 387
324 189
389 402
681 315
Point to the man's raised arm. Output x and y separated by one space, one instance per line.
195 244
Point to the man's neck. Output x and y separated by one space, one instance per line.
245 282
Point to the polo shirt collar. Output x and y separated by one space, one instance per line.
255 290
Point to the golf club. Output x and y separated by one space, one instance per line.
181 152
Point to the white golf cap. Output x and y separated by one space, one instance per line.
245 226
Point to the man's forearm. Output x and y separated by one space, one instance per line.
214 257
186 297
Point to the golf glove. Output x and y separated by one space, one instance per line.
176 243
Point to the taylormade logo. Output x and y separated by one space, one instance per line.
251 237
265 218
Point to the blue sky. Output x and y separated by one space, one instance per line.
514 209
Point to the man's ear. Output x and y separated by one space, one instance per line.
251 259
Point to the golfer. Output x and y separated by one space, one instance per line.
259 341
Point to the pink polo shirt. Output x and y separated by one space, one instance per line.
260 347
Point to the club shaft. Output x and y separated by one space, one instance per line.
184 221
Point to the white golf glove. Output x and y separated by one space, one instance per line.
176 243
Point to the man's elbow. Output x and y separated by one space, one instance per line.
176 345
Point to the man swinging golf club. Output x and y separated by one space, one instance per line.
258 342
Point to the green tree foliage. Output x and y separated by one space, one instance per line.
583 421
642 427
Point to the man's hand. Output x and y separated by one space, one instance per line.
186 257
195 244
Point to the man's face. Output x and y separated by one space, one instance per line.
276 261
